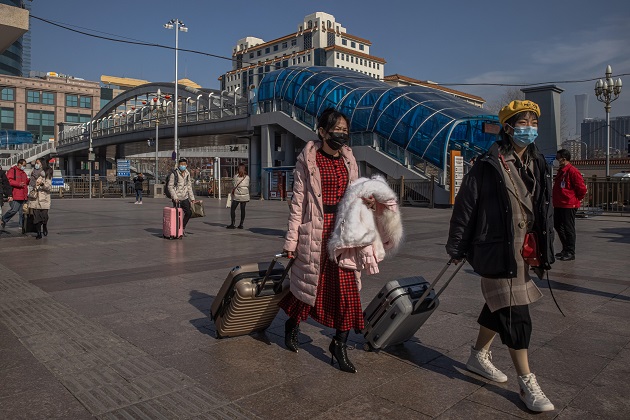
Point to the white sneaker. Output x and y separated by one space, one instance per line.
139 202
135 202
532 395
480 362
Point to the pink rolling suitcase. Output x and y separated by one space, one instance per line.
173 226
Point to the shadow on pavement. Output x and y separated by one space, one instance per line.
268 232
158 233
623 235
202 302
555 284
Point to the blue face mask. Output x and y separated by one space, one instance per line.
182 168
524 136
38 166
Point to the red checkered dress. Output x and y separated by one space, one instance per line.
338 303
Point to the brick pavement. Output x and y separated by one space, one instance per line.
105 319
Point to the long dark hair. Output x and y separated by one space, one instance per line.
505 143
328 119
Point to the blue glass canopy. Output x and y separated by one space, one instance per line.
418 119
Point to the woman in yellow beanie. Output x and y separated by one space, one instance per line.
506 195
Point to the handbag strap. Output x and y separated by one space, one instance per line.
523 223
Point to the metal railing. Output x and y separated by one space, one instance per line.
413 192
141 120
603 195
28 154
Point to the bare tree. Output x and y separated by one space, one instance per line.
510 94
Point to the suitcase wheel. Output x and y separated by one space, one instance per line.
368 346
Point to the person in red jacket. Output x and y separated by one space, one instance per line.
19 182
568 191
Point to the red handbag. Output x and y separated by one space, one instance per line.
530 250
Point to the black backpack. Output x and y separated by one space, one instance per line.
167 192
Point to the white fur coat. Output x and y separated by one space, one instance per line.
362 237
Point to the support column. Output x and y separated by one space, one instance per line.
71 166
288 146
267 134
254 165
548 98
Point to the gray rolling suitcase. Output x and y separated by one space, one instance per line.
401 308
248 299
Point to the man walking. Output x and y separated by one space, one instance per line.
19 182
568 191
181 189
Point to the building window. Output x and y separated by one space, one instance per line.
299 60
378 66
275 47
32 97
85 102
285 63
361 47
351 59
308 57
258 53
48 98
294 61
337 56
344 41
7 119
251 55
310 24
267 50
77 118
8 94
293 42
329 24
361 61
72 100
353 44
41 124
284 45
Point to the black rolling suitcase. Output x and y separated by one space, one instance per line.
28 224
401 308
248 299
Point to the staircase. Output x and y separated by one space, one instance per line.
30 155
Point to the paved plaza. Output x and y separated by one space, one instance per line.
106 319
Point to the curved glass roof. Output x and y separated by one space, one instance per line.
418 119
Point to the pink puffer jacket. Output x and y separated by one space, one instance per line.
306 221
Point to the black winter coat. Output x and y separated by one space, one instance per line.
5 187
137 182
481 226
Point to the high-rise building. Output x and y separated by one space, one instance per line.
319 41
594 135
581 111
14 24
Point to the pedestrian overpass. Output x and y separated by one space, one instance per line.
398 131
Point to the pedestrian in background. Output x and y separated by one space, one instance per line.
5 190
240 195
568 191
504 196
39 201
19 183
182 191
138 183
37 171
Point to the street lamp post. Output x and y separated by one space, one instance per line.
157 107
607 91
179 26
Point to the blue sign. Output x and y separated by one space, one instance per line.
123 168
57 182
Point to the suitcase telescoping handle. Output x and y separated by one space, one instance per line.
261 285
439 276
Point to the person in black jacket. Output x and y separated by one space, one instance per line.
5 189
506 195
137 183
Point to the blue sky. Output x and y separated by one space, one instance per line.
444 41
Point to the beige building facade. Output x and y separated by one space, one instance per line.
39 105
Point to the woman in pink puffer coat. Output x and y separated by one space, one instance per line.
319 287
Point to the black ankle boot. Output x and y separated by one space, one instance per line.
338 350
291 331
